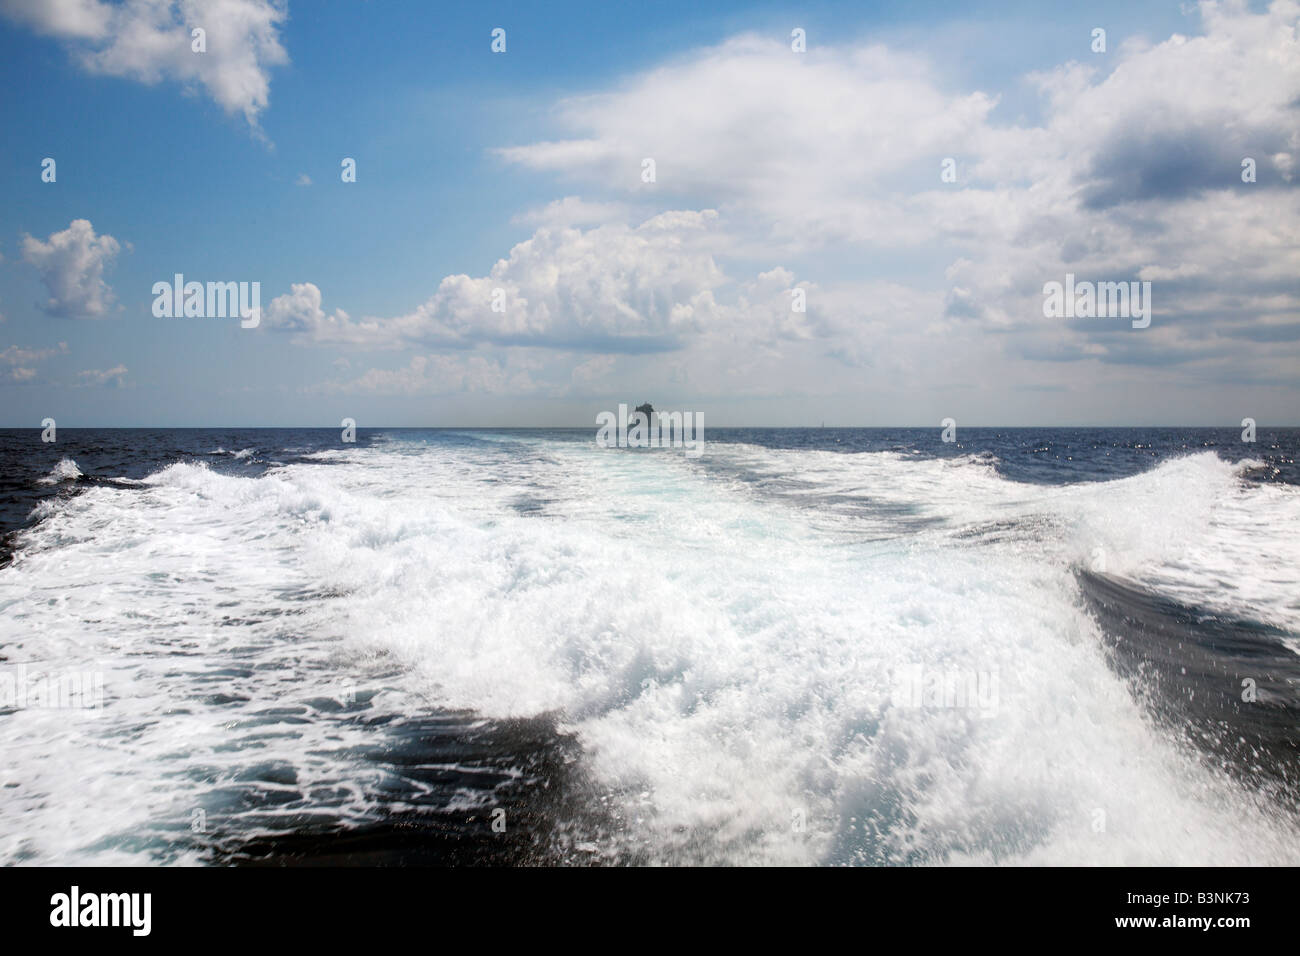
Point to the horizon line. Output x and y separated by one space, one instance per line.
817 427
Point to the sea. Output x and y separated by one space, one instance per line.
804 646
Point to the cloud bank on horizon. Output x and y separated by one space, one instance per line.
746 223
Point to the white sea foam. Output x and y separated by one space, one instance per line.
723 634
65 470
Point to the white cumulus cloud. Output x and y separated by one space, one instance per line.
71 264
152 40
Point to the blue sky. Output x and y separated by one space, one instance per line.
521 171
